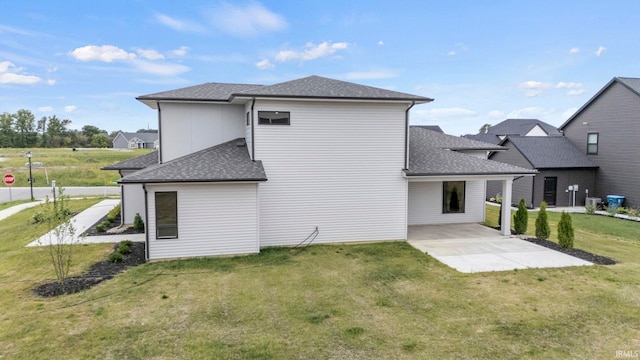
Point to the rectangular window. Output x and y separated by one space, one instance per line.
166 215
453 196
248 119
273 118
592 144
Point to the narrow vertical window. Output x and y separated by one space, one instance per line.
248 118
166 215
453 196
592 143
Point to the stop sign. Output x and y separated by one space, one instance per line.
9 179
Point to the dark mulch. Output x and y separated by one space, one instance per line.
92 231
98 272
581 254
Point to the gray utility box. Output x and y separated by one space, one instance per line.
593 201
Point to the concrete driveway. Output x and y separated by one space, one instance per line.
471 248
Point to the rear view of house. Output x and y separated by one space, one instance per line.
245 166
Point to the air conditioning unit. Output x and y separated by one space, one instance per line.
590 201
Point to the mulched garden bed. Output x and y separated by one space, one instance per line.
581 254
92 231
98 272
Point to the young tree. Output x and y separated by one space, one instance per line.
61 237
521 218
542 223
565 231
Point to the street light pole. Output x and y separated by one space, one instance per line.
29 155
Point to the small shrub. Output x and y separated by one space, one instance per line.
101 228
116 257
499 199
521 218
590 210
634 212
39 218
565 231
127 242
492 199
138 224
113 214
124 249
542 223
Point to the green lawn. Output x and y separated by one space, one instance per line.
369 301
67 167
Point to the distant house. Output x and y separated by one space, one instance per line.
560 164
516 127
606 129
141 140
246 166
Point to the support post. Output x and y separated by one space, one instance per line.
505 227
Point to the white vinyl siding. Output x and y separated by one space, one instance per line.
338 166
132 202
187 128
213 219
425 204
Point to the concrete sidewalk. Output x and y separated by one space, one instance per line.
84 220
17 208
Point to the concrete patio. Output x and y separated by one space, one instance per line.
471 248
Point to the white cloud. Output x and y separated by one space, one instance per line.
70 108
105 53
380 42
45 109
449 113
575 92
528 113
51 82
495 114
163 69
570 85
451 53
246 21
574 50
149 54
179 25
182 51
600 50
311 51
10 74
369 75
264 64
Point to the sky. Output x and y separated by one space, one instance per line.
482 61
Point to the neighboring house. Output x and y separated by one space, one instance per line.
515 127
248 166
141 140
607 129
560 164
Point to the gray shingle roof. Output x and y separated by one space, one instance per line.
207 91
136 163
522 127
308 87
430 127
632 83
428 159
325 88
490 138
550 152
444 141
229 161
148 137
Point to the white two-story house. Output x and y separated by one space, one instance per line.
244 166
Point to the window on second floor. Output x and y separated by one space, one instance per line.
248 119
592 143
273 118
